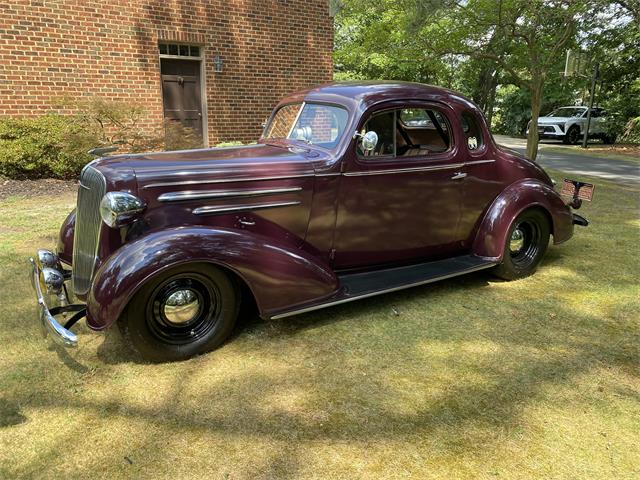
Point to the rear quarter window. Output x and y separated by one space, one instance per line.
472 132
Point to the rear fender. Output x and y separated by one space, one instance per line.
278 275
519 196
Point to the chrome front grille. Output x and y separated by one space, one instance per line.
87 231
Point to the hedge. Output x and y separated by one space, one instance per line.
48 146
56 146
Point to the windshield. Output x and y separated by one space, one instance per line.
313 123
567 112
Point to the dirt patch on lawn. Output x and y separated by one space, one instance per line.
36 188
627 150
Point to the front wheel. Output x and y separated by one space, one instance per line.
526 244
186 311
572 136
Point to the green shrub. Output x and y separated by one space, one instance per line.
56 146
631 132
179 137
123 124
230 144
48 146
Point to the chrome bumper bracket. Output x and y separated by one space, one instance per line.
60 334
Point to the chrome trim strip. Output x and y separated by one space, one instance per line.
380 292
305 175
416 169
478 162
405 170
208 194
213 210
226 180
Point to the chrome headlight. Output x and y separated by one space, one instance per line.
47 258
117 209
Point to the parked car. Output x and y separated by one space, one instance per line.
353 190
568 124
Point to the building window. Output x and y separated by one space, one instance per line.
179 50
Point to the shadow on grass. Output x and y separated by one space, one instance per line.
371 372
362 411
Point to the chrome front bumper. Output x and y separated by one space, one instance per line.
61 335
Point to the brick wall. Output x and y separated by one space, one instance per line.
52 48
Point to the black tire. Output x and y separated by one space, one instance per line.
572 136
186 311
526 244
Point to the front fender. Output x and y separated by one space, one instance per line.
278 275
65 238
492 233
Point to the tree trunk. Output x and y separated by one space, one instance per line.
492 98
536 104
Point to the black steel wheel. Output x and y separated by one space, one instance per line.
526 244
572 136
186 311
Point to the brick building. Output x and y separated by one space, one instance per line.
216 66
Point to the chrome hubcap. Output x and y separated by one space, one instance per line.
517 240
181 306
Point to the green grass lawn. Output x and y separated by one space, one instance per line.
468 378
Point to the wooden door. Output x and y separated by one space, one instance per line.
181 93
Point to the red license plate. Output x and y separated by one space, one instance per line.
585 190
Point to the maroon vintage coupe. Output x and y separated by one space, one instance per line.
353 190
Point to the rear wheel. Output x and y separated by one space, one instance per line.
186 311
526 244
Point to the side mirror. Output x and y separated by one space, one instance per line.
369 141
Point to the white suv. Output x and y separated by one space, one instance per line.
568 124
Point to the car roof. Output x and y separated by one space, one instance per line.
365 93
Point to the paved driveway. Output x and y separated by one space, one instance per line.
579 163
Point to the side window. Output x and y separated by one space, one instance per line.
408 132
421 132
382 124
472 132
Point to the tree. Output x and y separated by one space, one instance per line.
372 42
475 46
615 45
525 39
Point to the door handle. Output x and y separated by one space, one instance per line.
458 175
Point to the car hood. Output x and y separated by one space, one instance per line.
277 159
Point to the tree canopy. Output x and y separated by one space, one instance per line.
510 49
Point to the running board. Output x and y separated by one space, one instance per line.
367 284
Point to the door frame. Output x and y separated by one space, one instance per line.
445 163
203 87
